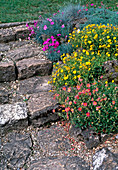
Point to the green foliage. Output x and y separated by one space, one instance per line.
100 15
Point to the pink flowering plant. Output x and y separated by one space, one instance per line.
90 105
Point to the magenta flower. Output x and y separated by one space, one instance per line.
86 9
46 42
45 48
27 25
92 4
58 34
63 26
58 51
52 23
56 44
45 27
94 103
39 16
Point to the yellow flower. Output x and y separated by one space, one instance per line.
89 42
106 82
112 81
61 70
88 63
87 53
114 38
74 72
84 51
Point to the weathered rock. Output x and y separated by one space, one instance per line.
32 67
90 138
12 115
15 150
13 33
4 47
24 51
105 159
7 71
40 108
4 96
111 70
64 163
35 85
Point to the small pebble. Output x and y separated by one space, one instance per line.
116 136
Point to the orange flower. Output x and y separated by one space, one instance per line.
80 109
113 102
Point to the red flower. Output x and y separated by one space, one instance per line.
80 109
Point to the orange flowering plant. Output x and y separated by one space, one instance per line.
94 105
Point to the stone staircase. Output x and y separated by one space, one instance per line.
24 76
26 105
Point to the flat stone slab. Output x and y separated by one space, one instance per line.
11 114
15 150
35 84
7 71
26 50
32 67
105 159
64 163
40 108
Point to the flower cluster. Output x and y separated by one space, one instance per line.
91 105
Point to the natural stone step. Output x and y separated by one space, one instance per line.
24 51
13 33
40 108
32 66
12 115
7 71
35 84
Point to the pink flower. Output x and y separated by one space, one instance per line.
117 12
63 26
28 38
86 9
92 4
83 9
64 88
86 4
98 98
67 98
45 27
69 89
46 42
90 94
78 87
39 16
88 85
67 109
92 99
99 6
80 109
113 102
77 97
84 104
52 23
94 103
58 34
80 79
75 102
87 114
96 89
101 77
62 13
70 102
